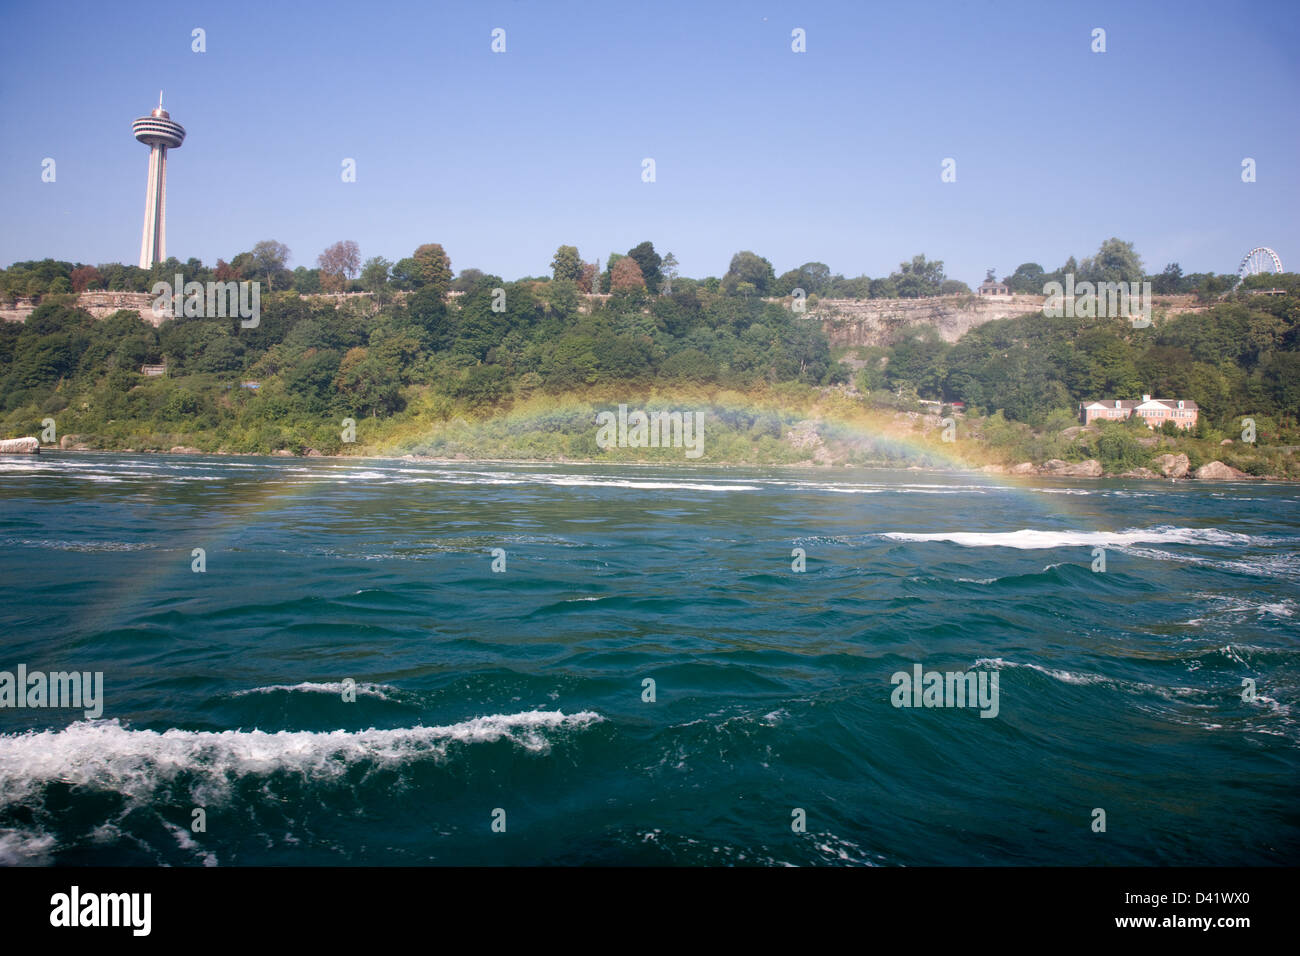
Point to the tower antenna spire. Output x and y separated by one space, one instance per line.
160 92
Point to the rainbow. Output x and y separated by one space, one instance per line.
169 566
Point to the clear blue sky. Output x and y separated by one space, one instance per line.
831 155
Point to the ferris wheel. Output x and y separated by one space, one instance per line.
1260 259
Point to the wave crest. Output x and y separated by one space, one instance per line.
103 755
1027 539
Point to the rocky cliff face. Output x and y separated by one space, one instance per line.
99 304
882 321
845 321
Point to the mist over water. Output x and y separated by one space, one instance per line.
522 690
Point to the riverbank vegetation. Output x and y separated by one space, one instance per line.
520 369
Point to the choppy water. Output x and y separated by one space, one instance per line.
523 690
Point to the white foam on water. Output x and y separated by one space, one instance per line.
103 755
1229 605
454 481
842 487
20 466
1283 608
329 687
1066 677
187 842
1179 694
590 481
1270 565
1028 539
408 476
57 545
25 848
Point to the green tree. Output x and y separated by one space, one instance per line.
481 385
374 274
432 267
747 267
1169 281
1028 279
562 297
1115 261
919 359
920 277
466 279
668 269
306 281
428 312
270 260
365 384
566 264
311 380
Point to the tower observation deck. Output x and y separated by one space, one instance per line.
160 133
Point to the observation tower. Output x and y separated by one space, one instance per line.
160 133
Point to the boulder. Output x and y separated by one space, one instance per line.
312 453
20 446
1085 469
1064 469
282 453
1173 466
1218 471
1140 473
1226 441
185 450
1024 468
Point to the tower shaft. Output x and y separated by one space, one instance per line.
153 242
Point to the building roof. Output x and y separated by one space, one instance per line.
1148 403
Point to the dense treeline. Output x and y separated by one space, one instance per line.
1117 261
315 363
340 269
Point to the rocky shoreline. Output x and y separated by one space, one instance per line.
1172 467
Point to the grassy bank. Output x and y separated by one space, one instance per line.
782 425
